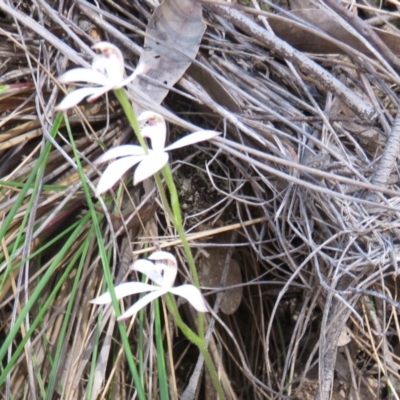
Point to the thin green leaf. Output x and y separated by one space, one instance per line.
162 371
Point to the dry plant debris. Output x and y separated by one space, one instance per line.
302 196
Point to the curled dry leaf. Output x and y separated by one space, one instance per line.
212 269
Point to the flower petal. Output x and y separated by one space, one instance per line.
114 172
141 68
195 137
111 63
123 290
151 270
75 97
120 151
152 126
192 295
151 164
142 303
85 75
97 92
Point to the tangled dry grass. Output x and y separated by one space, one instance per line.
300 200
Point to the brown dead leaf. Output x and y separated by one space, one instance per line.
212 269
308 39
173 37
214 88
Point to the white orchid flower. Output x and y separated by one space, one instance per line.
163 273
153 127
107 73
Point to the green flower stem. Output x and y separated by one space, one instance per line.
181 231
175 216
196 340
130 114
